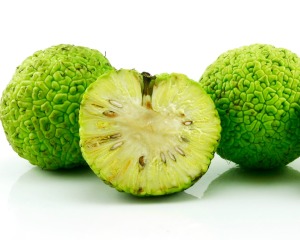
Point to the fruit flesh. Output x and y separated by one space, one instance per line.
256 90
39 107
147 135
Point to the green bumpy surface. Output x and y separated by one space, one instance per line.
256 90
39 107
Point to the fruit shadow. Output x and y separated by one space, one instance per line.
76 186
239 182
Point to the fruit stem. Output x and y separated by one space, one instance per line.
147 90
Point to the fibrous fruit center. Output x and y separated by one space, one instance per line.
146 127
154 133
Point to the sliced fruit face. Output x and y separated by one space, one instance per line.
148 135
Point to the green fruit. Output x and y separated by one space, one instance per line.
148 135
256 90
39 107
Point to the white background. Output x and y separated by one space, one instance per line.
154 36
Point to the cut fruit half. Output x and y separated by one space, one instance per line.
148 135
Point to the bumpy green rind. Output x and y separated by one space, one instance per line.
256 90
39 107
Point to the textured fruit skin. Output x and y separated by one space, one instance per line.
256 90
39 107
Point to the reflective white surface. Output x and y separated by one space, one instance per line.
227 203
153 36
